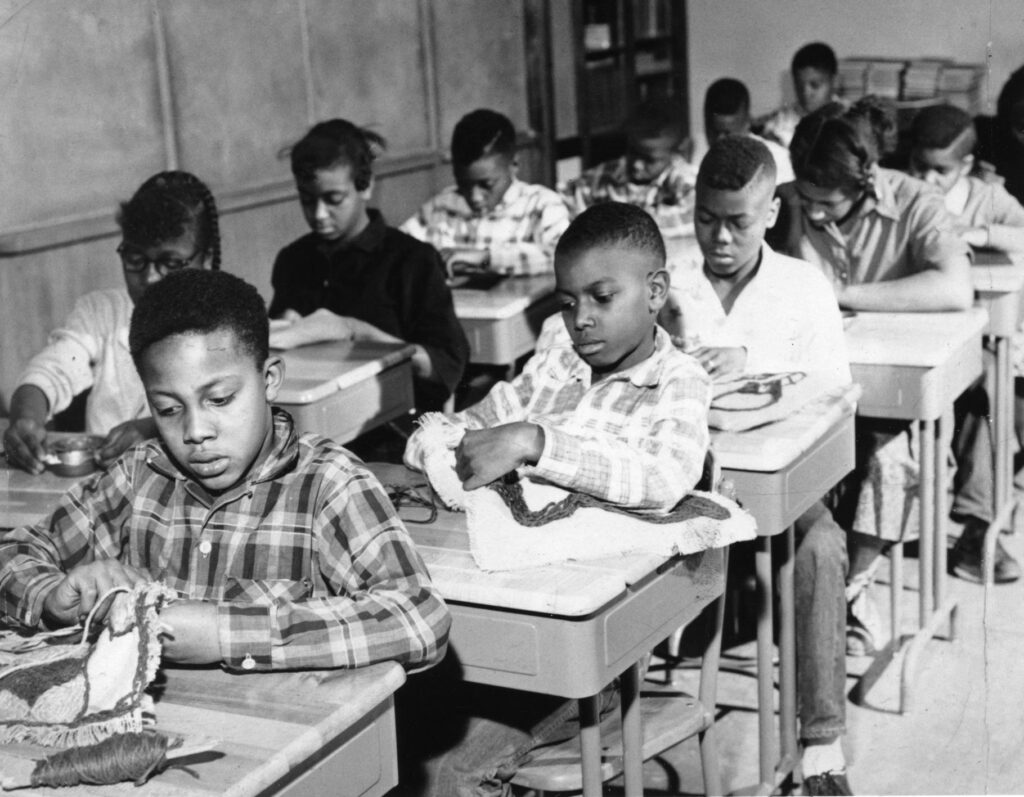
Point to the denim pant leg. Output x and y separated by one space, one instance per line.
820 585
975 462
486 760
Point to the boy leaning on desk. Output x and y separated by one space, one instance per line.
607 407
285 553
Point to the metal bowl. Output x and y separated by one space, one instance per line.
74 456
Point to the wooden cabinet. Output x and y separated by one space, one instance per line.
623 52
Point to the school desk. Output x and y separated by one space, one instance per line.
25 498
565 630
297 733
779 471
342 389
998 283
503 322
912 366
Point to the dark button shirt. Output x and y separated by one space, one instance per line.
386 278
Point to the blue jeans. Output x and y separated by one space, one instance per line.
819 576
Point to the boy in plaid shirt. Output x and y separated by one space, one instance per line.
285 552
607 407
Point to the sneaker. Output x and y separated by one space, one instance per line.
834 782
965 558
863 626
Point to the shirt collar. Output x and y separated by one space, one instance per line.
284 451
880 197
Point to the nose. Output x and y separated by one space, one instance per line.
151 274
931 177
722 234
477 197
320 213
197 428
581 317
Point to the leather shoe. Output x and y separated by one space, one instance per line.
827 783
965 558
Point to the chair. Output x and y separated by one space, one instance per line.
667 718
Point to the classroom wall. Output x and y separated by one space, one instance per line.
753 40
97 95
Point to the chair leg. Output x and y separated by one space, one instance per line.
896 594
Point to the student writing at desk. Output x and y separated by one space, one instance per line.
285 552
490 219
607 407
169 224
886 243
355 278
653 174
942 141
737 316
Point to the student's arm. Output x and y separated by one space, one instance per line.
67 551
548 218
384 606
651 470
943 279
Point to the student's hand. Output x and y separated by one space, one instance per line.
488 454
319 326
722 362
974 236
190 634
122 437
24 445
75 595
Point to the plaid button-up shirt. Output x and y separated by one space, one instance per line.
520 233
306 559
636 438
669 198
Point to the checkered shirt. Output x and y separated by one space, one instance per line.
669 199
520 233
306 559
636 438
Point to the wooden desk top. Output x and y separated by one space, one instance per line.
922 340
774 446
267 724
25 498
572 589
505 299
314 372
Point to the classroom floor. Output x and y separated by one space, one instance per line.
966 737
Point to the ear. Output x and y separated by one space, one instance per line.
368 191
773 212
657 290
273 376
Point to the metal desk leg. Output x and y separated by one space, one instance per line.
1004 501
787 658
632 732
926 544
765 669
590 745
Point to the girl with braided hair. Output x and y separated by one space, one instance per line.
170 223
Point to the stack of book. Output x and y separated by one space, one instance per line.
853 77
884 78
961 85
921 78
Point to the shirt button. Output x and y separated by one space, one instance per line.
205 547
248 663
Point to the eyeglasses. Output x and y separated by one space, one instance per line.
411 504
768 386
136 262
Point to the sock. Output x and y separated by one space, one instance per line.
821 758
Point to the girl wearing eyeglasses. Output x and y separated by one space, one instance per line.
170 223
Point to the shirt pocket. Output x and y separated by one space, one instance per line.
267 591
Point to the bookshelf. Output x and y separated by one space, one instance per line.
623 52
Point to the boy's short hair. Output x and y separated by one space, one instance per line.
816 55
654 117
733 161
337 142
938 126
198 302
481 133
725 97
611 224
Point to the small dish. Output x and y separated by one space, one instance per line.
73 456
